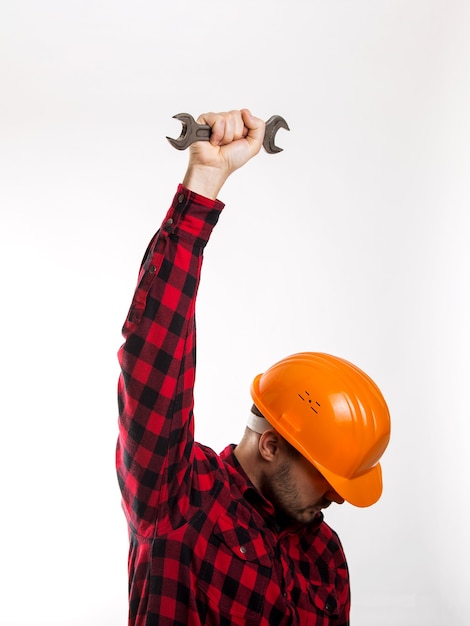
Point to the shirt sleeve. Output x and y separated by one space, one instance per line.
155 390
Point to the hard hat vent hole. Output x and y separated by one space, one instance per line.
313 404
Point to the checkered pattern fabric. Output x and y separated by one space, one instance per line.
204 544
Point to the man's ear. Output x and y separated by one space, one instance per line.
269 445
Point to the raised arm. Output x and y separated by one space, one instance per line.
154 452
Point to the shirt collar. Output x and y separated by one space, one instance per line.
243 482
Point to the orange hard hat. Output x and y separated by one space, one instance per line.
334 415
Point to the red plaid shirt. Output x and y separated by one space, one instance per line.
204 544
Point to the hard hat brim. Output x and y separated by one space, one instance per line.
361 491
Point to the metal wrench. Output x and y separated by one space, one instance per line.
192 131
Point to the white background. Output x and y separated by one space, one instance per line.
353 241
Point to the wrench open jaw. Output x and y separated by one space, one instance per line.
274 123
192 131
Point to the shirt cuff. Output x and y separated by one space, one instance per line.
192 215
208 202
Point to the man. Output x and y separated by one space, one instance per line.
235 538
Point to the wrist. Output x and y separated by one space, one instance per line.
204 180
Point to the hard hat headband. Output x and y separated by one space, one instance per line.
257 423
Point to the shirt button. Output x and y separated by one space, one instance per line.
170 221
243 549
152 269
330 606
181 198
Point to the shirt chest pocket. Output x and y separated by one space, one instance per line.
235 572
324 599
